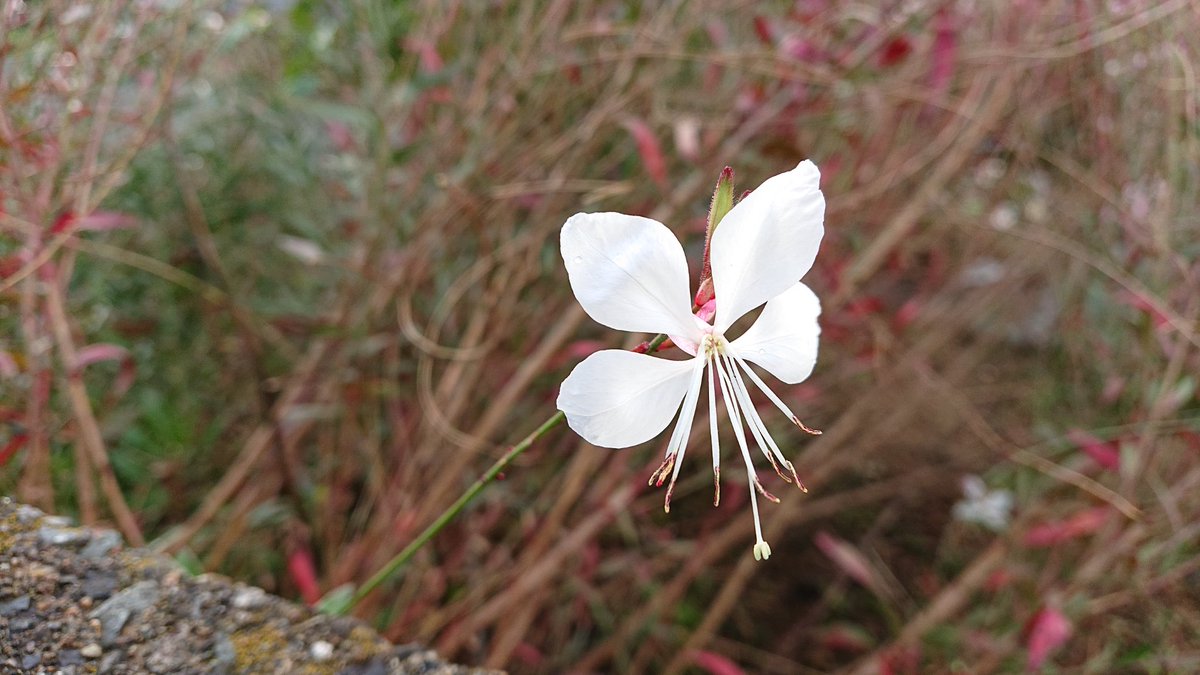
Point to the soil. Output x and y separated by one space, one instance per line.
76 600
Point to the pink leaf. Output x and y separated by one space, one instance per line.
1047 631
850 560
98 221
945 50
528 654
1102 452
304 574
1055 532
687 138
109 352
845 637
715 663
8 365
649 149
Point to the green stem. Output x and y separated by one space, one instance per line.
459 504
449 514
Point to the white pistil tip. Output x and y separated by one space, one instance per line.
762 550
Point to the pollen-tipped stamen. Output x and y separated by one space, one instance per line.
763 491
765 442
799 483
677 446
771 395
805 428
660 474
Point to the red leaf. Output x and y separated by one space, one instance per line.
896 50
304 574
907 314
14 444
764 29
1047 631
715 663
945 50
1081 524
649 148
1102 452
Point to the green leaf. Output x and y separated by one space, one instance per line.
337 601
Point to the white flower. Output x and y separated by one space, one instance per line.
990 508
629 273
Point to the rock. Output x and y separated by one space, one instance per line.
27 515
63 536
102 543
115 611
321 651
248 597
223 651
17 604
123 610
98 585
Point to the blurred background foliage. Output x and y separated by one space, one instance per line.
281 279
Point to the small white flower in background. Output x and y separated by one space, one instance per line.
630 273
990 508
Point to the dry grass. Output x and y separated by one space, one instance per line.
344 297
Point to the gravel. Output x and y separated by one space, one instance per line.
75 600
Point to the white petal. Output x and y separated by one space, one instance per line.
767 242
784 338
615 399
628 272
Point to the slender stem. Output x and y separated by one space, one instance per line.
459 504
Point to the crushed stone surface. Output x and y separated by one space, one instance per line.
74 600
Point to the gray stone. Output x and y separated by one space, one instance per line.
103 543
17 604
110 662
27 515
72 537
223 649
114 612
98 585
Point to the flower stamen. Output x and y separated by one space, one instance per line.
679 438
766 443
715 436
731 404
773 398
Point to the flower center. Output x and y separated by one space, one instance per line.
711 346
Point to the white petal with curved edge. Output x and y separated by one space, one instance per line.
767 242
628 272
615 399
784 338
